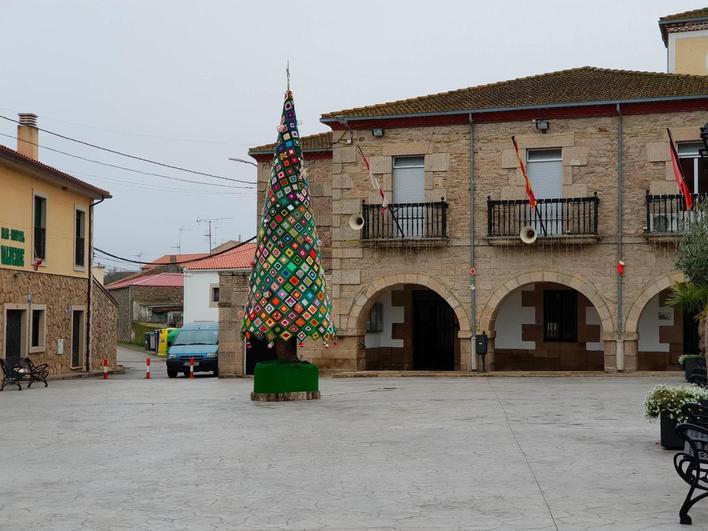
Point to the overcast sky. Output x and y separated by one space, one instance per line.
192 83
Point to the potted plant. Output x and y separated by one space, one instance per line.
665 401
690 362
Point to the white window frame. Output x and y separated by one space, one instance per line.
42 347
77 267
695 156
45 260
212 303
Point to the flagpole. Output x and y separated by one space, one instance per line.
532 198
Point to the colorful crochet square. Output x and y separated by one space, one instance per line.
287 292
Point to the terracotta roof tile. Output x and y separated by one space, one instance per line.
161 280
14 156
239 258
688 15
578 85
318 142
167 259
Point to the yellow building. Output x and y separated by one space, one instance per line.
686 38
51 307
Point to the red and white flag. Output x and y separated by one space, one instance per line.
374 181
529 191
678 174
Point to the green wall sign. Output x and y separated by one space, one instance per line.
13 256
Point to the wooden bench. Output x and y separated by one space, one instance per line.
23 369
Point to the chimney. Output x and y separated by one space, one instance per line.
28 135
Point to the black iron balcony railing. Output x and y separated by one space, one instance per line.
667 214
568 216
404 221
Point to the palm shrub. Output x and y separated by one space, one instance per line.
692 260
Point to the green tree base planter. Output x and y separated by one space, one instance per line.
280 380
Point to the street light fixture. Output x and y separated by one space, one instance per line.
243 161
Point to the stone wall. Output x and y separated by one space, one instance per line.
233 290
104 327
125 322
57 295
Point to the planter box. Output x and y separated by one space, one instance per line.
278 380
669 439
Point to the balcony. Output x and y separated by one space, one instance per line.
405 224
667 217
564 220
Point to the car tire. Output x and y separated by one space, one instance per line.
186 373
216 372
171 373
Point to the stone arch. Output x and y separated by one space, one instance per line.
631 324
488 314
366 297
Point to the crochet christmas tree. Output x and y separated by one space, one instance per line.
287 293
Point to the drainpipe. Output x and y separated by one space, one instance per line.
472 365
89 312
619 351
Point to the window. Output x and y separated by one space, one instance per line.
80 239
214 294
545 171
40 227
375 322
409 187
37 331
560 315
694 167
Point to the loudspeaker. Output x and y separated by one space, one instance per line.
528 234
356 221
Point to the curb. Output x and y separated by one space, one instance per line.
506 374
119 369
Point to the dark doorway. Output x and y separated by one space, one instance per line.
690 332
433 333
77 328
13 337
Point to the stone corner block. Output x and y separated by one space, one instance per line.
658 152
437 162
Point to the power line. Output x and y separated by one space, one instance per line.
122 154
183 261
127 169
133 133
148 186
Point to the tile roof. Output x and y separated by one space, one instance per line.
318 142
160 280
11 155
239 258
687 18
688 15
167 259
575 86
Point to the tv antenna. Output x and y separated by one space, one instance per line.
209 222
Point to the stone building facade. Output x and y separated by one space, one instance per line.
52 310
557 303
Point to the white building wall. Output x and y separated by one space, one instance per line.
510 318
197 290
651 319
391 314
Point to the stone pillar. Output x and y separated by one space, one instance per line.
464 337
489 358
631 352
609 340
233 291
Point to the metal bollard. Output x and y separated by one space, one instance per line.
147 368
191 367
105 368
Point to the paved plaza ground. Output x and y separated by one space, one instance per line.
374 453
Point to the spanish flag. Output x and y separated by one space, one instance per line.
678 174
529 191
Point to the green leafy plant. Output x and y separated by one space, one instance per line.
670 398
693 250
684 357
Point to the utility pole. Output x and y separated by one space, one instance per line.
209 222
